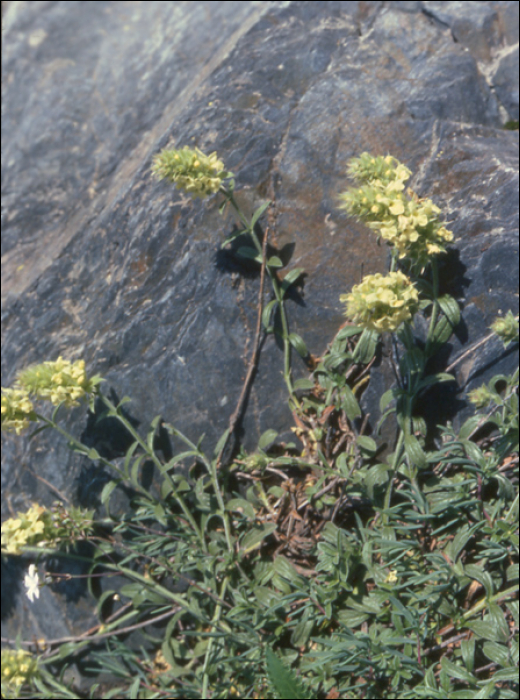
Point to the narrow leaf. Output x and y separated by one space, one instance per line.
266 313
258 213
290 278
298 344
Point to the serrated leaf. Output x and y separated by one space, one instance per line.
298 344
284 682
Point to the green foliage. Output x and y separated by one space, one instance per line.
284 682
340 568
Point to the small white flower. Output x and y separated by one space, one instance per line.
32 582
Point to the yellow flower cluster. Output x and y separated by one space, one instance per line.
191 170
382 303
39 525
17 410
408 223
18 668
59 382
28 528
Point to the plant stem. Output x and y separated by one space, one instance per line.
214 623
395 463
278 293
156 461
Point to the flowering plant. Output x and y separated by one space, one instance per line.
229 555
191 170
410 224
382 303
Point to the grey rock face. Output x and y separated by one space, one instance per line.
102 262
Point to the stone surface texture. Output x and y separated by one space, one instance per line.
100 261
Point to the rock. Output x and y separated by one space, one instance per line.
101 261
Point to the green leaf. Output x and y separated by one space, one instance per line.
151 433
284 681
366 347
267 438
298 344
348 332
290 278
134 689
433 379
303 384
349 403
450 308
249 253
241 504
221 442
366 444
274 261
266 313
252 539
107 490
459 672
414 451
385 399
440 335
481 576
258 213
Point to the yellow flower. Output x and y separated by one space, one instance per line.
382 303
18 668
17 410
406 222
28 528
190 170
61 381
